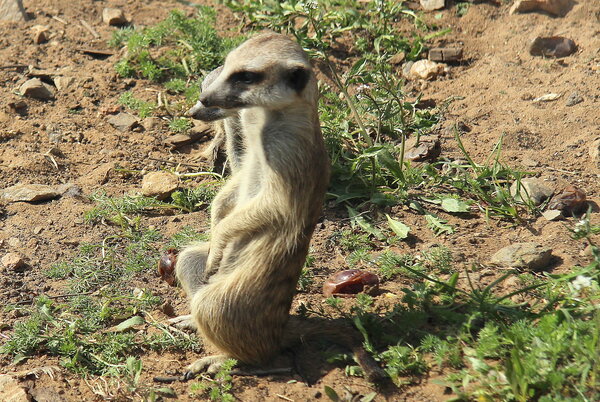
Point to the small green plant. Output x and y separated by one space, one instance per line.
143 108
190 200
178 47
219 388
180 124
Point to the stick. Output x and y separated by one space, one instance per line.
59 19
275 371
10 66
90 29
56 297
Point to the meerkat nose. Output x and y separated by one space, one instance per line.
195 109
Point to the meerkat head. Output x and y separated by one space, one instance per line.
269 70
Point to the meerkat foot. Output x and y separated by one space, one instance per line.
184 322
210 365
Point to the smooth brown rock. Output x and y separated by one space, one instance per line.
159 184
150 123
427 148
12 10
445 54
32 192
553 46
398 58
570 201
64 83
40 34
123 121
430 5
530 256
11 390
554 7
13 261
425 70
113 16
36 88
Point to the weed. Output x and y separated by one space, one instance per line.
190 200
178 47
180 125
219 388
143 108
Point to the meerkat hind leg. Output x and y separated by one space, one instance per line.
192 275
210 365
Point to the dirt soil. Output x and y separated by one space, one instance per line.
494 90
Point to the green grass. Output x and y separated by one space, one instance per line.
90 326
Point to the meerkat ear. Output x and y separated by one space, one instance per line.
298 78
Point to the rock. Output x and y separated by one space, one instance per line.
123 121
35 88
530 256
571 201
150 123
430 5
12 10
11 390
425 70
351 282
445 54
546 98
398 58
64 83
552 46
530 162
553 215
179 140
531 189
14 242
40 34
159 184
113 16
200 128
13 262
406 68
33 192
199 131
428 148
595 152
574 99
554 7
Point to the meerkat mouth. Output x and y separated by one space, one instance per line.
201 112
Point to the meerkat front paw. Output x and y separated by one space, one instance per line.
184 322
210 365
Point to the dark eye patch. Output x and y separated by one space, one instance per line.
246 77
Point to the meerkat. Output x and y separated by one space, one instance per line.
226 127
241 284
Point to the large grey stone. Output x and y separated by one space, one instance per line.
430 5
36 88
12 10
123 121
530 256
11 390
113 16
531 189
33 192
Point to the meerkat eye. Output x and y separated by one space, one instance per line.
247 77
